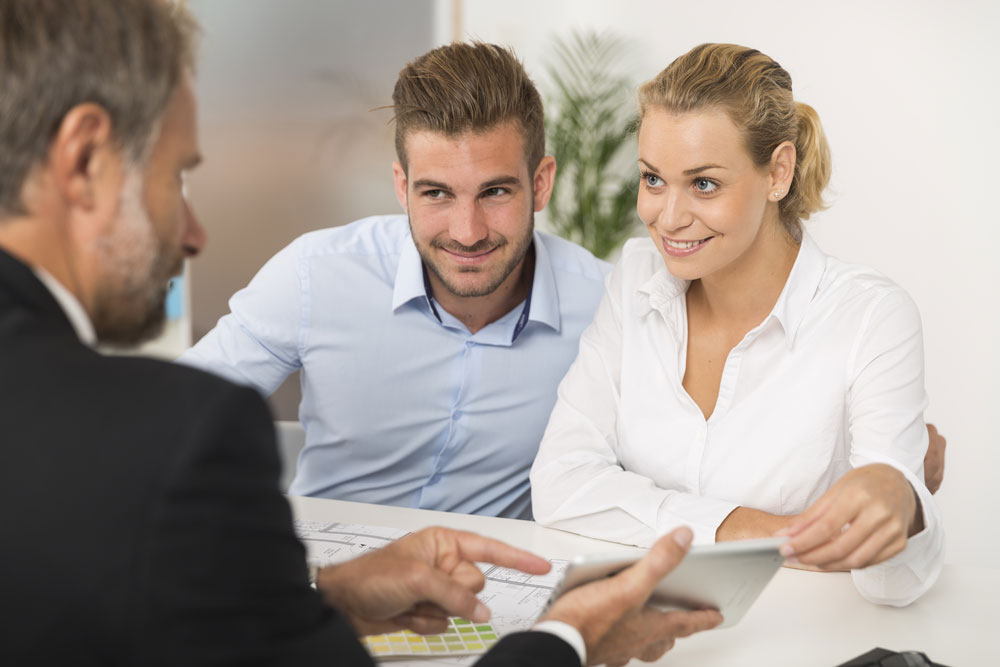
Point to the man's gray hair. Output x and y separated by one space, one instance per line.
124 55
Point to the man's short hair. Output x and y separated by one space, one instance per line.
463 88
125 55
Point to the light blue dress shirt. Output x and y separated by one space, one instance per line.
400 407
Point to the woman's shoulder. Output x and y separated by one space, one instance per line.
639 259
850 281
640 280
861 293
639 246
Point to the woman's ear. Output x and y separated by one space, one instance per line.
782 169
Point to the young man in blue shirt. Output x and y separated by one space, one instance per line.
431 344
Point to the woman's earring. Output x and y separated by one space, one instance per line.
777 194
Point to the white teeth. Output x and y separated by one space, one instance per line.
683 245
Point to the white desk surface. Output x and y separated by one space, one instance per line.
801 618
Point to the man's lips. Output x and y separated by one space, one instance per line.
470 256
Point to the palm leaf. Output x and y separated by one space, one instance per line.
590 129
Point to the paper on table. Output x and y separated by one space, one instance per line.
330 542
515 598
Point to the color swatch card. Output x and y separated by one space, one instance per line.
462 638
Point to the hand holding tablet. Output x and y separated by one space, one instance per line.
613 617
727 576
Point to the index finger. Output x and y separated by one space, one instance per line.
487 550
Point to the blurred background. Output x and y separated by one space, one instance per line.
907 91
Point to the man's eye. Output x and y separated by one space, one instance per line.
495 192
434 194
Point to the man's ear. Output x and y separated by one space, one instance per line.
84 161
543 180
399 179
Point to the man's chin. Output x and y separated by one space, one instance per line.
131 335
471 283
127 327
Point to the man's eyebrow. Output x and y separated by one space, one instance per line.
502 180
428 183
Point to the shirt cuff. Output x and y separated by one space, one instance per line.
567 633
702 514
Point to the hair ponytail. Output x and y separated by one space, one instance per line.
812 167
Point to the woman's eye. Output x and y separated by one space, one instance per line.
652 180
705 185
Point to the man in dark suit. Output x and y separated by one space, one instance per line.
141 516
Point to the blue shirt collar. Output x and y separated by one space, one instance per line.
409 283
542 304
544 295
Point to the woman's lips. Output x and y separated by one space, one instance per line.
681 248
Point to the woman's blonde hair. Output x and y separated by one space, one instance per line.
756 93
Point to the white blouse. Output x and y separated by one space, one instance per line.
832 379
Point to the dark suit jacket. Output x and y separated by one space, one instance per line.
140 514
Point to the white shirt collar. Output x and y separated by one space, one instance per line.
662 289
74 311
800 288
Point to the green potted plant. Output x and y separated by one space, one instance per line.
590 126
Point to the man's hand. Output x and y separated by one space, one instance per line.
934 461
864 519
612 616
418 581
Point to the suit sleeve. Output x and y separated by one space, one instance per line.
225 576
529 649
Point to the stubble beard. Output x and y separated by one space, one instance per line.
519 251
129 306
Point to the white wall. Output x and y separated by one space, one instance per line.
908 93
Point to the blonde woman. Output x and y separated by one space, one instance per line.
735 378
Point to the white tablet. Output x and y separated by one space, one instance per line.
727 576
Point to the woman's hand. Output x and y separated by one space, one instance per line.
746 523
864 519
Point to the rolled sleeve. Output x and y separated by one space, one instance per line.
886 401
